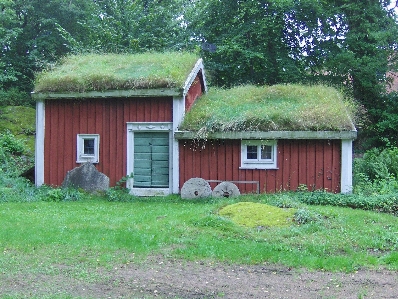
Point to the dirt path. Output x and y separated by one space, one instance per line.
160 278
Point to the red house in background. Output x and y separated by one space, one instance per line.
135 131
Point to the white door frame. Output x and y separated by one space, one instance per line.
133 127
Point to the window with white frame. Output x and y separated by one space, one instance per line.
259 154
87 148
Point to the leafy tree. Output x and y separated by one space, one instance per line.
30 38
350 44
250 41
367 53
133 26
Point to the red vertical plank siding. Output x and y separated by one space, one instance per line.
311 158
279 174
104 137
112 152
194 91
235 160
302 167
47 144
229 166
269 180
294 165
336 166
211 151
69 140
299 162
319 165
65 119
284 159
327 165
220 165
204 162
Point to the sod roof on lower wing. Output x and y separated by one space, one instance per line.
103 72
270 108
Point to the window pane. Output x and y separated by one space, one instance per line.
251 152
88 146
266 152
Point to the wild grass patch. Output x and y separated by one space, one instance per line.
100 72
96 232
20 122
271 108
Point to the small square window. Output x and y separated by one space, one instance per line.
251 152
87 148
258 154
266 152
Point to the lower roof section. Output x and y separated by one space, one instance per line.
269 135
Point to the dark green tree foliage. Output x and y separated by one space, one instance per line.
250 41
133 26
363 46
346 43
270 42
30 39
369 52
36 33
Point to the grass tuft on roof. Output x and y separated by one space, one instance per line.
270 108
102 72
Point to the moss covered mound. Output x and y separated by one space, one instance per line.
252 214
290 107
21 122
101 72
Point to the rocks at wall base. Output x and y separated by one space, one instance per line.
195 188
226 189
86 177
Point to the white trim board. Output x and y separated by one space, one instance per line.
39 143
346 166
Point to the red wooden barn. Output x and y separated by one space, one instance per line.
126 114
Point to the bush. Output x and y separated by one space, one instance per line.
10 144
16 189
387 203
376 172
378 163
60 194
12 159
303 216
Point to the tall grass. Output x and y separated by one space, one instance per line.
271 108
99 72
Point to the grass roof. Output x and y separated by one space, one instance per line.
270 108
101 72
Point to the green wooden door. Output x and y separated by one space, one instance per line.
151 160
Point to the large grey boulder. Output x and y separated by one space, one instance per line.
226 189
195 188
86 177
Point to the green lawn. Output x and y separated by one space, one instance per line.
36 235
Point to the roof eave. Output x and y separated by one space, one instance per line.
158 92
271 135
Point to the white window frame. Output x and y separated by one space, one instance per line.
258 163
81 156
